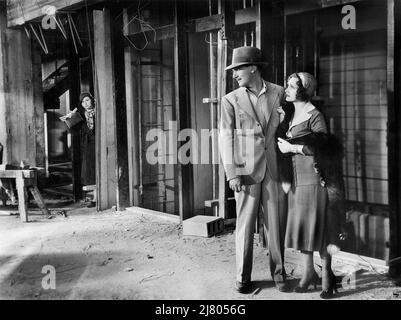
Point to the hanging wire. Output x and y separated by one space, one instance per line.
144 27
71 20
213 43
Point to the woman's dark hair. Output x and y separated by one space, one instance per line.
306 85
86 94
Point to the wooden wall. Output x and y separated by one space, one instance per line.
352 77
200 113
21 102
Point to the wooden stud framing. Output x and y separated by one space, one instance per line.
221 91
106 141
183 111
132 124
120 108
32 9
394 117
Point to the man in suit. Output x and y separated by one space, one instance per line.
250 116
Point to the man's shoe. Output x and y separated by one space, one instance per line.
283 286
243 287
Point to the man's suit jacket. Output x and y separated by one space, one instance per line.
247 145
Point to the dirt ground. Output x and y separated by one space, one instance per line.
125 255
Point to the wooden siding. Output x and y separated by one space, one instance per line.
352 75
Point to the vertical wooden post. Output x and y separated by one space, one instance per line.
132 114
221 91
394 131
120 107
106 141
183 109
22 198
4 135
264 36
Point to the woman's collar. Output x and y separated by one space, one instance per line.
305 115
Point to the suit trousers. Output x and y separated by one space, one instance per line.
268 196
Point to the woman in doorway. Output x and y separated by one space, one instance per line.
86 129
307 178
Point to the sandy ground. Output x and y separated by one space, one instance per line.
123 255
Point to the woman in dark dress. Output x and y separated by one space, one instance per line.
86 130
307 196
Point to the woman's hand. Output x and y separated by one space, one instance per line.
281 113
285 146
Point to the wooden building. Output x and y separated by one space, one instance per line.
158 67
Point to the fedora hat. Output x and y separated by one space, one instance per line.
245 56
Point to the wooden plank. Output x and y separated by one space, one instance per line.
26 174
222 62
162 33
199 80
247 15
28 10
183 110
208 23
296 7
213 105
364 111
118 54
394 91
106 163
132 123
39 153
22 199
39 199
349 100
4 122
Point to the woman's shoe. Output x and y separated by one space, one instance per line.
331 290
304 288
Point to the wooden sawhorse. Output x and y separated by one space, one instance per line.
26 180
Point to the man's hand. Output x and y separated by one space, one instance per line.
235 184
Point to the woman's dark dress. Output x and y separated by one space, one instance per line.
88 159
306 224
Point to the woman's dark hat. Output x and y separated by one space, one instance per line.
85 94
246 56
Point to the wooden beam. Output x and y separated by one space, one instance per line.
106 144
296 7
160 33
206 24
121 108
19 12
393 131
183 109
247 15
132 105
222 62
264 35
